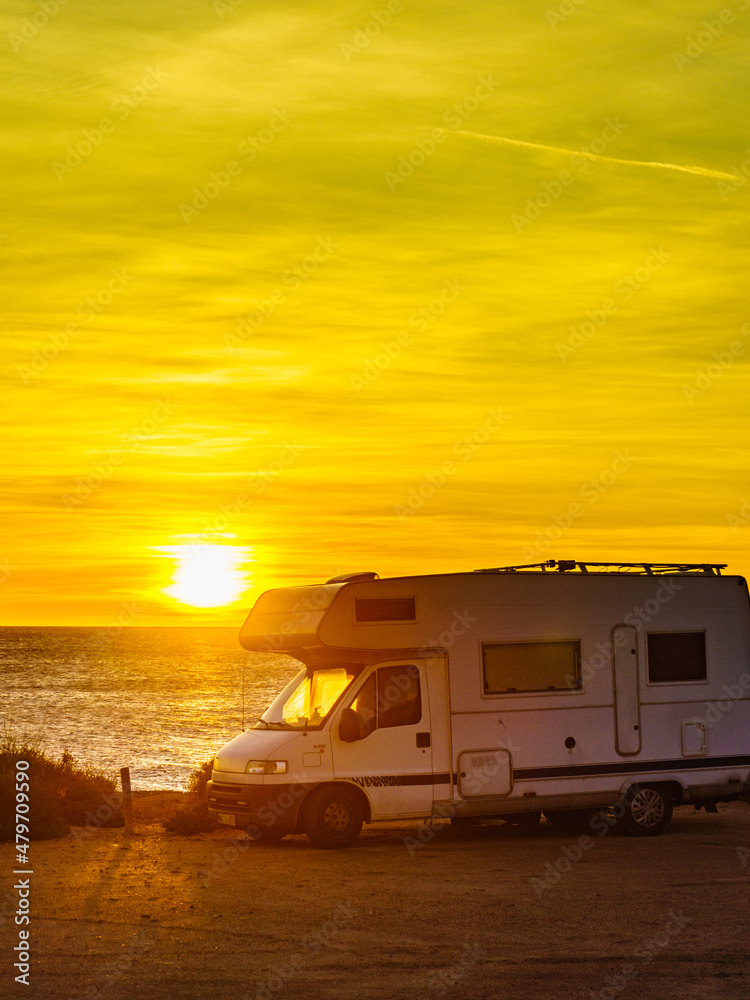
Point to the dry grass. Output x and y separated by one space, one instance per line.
61 792
64 793
151 808
192 816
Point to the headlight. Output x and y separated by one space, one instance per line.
266 767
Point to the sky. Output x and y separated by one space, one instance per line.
301 289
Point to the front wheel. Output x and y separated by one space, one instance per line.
333 818
648 809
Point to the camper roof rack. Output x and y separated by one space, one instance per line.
645 568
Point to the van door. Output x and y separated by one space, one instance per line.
390 756
626 692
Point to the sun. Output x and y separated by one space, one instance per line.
206 575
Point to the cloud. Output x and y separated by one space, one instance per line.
699 171
428 385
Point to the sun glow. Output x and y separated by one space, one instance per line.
207 576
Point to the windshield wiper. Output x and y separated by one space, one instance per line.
280 724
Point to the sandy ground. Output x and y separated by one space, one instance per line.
462 914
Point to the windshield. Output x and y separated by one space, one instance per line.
308 699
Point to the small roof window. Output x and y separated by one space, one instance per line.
385 609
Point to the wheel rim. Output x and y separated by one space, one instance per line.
647 808
338 818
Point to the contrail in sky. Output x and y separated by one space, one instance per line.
700 171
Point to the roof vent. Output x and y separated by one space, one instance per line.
353 578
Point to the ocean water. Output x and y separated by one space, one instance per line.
158 700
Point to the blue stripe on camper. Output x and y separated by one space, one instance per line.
630 767
572 771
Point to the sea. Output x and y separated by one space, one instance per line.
160 701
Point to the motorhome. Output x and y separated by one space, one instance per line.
558 689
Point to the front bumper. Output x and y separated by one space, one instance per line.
257 808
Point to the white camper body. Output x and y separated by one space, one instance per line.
505 693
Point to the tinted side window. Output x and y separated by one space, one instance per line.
385 609
676 656
511 667
399 696
390 697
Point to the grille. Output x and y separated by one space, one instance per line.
227 789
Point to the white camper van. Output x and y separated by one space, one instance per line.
557 688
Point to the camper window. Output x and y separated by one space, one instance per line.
306 701
391 696
385 609
399 697
512 667
676 657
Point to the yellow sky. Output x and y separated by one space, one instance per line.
277 281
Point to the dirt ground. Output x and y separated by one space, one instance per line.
492 912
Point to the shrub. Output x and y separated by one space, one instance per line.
193 816
61 792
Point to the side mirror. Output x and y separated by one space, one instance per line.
350 729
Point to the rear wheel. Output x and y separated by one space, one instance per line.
648 809
333 818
